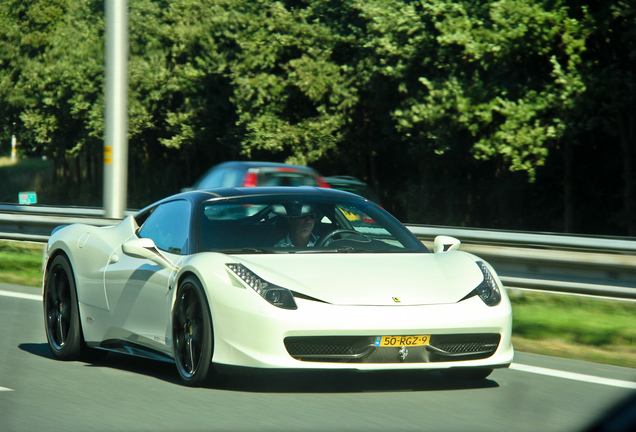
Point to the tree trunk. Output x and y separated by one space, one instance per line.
626 137
568 187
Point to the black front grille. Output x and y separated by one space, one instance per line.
361 349
328 348
463 346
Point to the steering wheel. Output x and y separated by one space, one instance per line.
339 232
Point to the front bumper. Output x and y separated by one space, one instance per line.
324 336
364 349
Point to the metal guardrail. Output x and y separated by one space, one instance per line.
35 223
600 266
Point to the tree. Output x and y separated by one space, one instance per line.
53 78
291 98
180 105
457 112
503 76
606 115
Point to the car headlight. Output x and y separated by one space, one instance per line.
278 296
488 290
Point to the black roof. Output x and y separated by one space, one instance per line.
197 196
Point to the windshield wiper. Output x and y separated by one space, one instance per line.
349 249
231 251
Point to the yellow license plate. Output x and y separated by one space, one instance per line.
398 341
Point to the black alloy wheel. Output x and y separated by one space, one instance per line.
192 333
61 314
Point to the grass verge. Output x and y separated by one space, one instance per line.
577 327
21 263
581 328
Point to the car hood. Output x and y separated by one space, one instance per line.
371 279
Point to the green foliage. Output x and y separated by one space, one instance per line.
289 95
58 87
504 75
401 93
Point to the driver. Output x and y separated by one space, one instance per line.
301 218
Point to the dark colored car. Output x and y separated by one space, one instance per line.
353 185
250 174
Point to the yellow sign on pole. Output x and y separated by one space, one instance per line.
108 154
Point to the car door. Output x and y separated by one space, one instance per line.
140 292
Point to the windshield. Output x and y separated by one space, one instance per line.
300 223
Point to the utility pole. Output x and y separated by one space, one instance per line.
116 109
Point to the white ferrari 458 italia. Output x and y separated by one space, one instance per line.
301 278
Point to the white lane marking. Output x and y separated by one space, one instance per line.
5 389
574 376
21 295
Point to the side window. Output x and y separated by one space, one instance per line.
168 226
230 178
215 179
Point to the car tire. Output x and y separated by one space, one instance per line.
192 334
469 374
61 312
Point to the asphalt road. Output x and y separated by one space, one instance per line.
121 393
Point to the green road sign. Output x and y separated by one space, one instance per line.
27 198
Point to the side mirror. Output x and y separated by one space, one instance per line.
445 244
145 248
